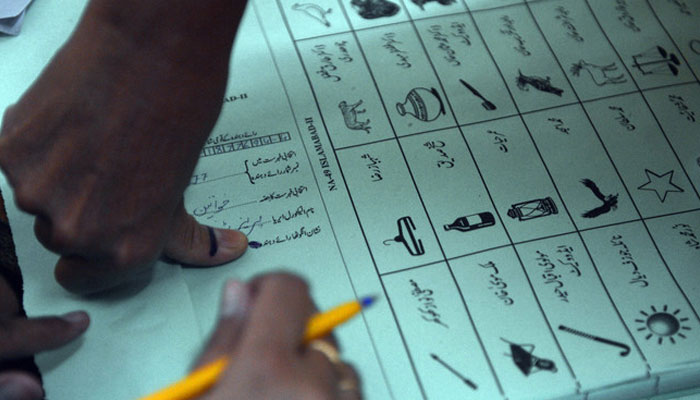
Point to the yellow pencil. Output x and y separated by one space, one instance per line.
201 379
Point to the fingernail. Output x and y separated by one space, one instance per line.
235 299
79 318
231 241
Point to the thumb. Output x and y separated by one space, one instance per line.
22 337
235 302
20 386
190 242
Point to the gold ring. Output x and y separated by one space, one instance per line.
330 351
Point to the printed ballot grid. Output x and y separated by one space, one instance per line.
539 163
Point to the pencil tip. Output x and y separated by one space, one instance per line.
368 300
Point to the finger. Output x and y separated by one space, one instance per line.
43 230
235 302
344 380
279 315
64 242
320 370
195 244
19 386
7 120
85 276
349 384
21 337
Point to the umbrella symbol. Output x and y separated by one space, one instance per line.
527 362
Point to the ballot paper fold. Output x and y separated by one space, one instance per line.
12 15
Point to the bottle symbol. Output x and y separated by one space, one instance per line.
423 104
471 222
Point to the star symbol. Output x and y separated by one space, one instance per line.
660 184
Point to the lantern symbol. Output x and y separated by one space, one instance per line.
533 209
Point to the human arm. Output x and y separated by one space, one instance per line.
101 147
260 329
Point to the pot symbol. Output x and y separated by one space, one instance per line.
423 104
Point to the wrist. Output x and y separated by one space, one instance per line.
190 33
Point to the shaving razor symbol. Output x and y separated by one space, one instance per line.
625 348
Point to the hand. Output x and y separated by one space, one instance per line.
21 337
260 329
102 146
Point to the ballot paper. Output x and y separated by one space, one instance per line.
516 180
12 26
12 15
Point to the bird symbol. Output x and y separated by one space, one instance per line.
609 201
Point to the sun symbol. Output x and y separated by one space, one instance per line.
663 324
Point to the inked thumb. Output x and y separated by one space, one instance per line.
192 243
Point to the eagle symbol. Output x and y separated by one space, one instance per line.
609 201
